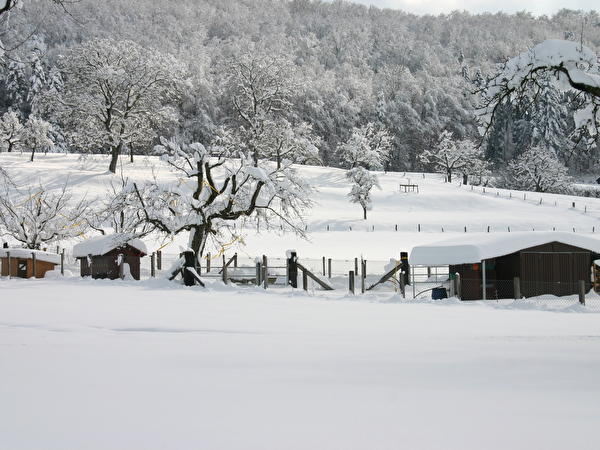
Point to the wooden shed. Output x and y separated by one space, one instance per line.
110 256
27 263
542 262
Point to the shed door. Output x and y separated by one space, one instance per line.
22 268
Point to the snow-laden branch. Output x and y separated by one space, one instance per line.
571 66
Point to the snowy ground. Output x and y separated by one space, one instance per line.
154 365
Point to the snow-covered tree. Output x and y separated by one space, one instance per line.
11 132
259 88
36 135
362 182
367 148
117 95
568 66
36 216
538 170
217 187
450 156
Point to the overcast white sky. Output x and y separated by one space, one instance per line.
536 7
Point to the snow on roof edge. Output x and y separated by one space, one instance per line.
40 255
476 247
101 245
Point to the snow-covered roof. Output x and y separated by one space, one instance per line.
101 245
26 253
476 247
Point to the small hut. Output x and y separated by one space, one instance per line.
543 262
27 263
111 256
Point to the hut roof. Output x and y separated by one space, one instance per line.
476 247
25 253
101 245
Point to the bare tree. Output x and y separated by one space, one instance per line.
36 216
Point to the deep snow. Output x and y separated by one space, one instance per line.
154 365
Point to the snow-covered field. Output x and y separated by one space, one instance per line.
90 364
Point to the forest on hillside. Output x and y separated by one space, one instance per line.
332 72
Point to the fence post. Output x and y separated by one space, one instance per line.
159 260
582 292
258 273
265 269
153 265
324 271
304 279
208 259
224 272
351 281
517 284
34 264
402 284
292 269
188 277
62 262
329 267
363 275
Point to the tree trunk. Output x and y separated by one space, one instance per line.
198 236
32 153
114 158
364 213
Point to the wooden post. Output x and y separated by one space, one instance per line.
292 270
324 272
517 288
329 267
190 261
351 281
403 283
363 276
265 269
34 264
159 260
582 292
305 280
356 266
62 262
258 273
8 262
208 262
153 265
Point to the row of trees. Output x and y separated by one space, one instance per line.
340 65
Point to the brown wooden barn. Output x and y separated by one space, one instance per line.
543 262
102 256
26 263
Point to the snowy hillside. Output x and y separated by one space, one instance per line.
399 220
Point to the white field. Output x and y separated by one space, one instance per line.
93 364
